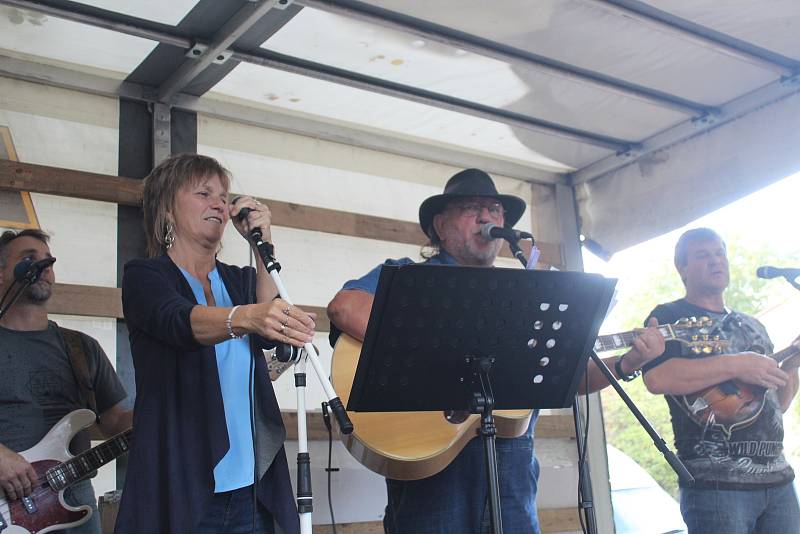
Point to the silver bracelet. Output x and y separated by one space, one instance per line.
228 322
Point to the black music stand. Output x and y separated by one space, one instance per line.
445 337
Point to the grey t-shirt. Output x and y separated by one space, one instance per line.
38 386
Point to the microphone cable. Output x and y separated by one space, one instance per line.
583 446
326 418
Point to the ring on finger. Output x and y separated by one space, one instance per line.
283 329
286 322
286 310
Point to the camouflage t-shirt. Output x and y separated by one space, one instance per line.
724 446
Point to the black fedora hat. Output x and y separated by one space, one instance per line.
469 183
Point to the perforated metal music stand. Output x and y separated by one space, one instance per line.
539 326
477 339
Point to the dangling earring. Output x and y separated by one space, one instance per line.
169 236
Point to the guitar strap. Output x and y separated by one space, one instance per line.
79 361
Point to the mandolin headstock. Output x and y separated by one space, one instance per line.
698 335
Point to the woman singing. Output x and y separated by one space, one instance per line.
207 453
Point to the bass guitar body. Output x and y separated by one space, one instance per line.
409 445
45 510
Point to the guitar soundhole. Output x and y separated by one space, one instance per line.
456 416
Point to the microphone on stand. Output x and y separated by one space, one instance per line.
767 271
31 270
491 231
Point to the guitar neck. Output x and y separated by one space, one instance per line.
786 353
82 465
625 339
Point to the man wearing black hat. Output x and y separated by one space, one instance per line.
455 499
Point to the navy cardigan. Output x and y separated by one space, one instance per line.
179 430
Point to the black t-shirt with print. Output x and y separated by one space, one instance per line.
740 453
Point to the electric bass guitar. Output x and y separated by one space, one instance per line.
44 510
415 445
731 405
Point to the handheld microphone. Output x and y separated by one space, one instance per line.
255 233
31 270
491 231
767 272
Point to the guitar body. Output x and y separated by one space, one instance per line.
409 445
52 513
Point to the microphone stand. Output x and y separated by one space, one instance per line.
305 504
14 298
513 244
26 278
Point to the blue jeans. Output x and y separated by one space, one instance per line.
456 499
231 512
77 495
758 511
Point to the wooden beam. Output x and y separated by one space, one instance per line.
99 301
16 176
93 301
314 426
559 520
555 426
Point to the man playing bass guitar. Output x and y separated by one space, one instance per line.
727 409
42 365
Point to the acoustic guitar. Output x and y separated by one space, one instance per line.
733 404
415 445
44 510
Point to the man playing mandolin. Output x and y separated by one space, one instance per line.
727 409
455 499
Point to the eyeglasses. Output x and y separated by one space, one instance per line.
473 209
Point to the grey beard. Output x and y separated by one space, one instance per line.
38 292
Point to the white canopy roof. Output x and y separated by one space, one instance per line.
656 112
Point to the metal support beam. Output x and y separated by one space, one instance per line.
703 36
592 410
162 132
729 112
478 45
275 120
108 20
266 58
324 72
217 50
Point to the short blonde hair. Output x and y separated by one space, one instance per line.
161 186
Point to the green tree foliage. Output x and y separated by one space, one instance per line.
746 293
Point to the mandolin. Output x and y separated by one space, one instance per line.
733 404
